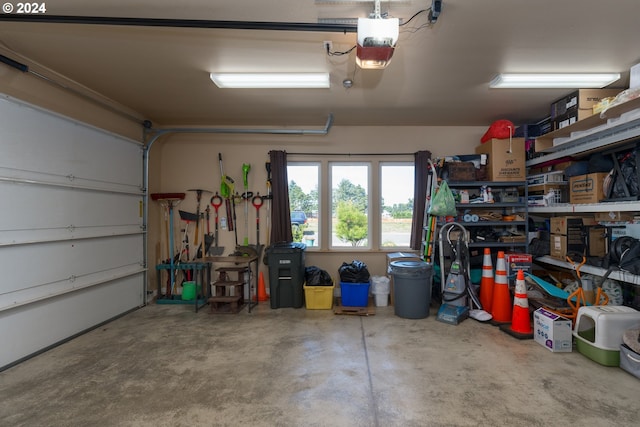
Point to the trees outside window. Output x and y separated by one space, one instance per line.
304 197
349 204
396 193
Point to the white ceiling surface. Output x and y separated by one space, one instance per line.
438 75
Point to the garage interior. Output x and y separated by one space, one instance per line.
105 104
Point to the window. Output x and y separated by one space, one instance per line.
349 204
304 201
356 203
396 204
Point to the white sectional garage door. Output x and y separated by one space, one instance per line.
71 228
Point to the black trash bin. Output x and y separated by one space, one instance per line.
411 288
286 274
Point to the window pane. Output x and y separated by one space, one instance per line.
396 191
349 204
304 201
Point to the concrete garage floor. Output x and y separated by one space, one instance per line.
168 366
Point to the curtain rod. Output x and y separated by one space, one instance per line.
350 154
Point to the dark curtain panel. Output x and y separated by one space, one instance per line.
419 196
280 213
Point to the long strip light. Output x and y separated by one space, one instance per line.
550 81
271 80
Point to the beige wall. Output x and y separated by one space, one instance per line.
179 162
187 161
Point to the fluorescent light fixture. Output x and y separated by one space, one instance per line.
551 81
271 80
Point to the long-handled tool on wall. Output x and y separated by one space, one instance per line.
269 197
226 191
257 202
188 218
170 201
216 202
233 210
246 196
196 243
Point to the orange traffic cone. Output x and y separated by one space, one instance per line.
501 304
486 284
262 291
520 326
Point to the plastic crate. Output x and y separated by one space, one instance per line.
354 294
318 297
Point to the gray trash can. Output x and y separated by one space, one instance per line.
286 274
411 288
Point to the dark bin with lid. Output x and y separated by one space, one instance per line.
411 288
286 274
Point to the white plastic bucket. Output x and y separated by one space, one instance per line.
380 289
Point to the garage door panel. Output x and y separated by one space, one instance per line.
46 268
72 231
45 211
48 144
42 324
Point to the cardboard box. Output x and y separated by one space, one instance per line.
558 246
569 118
581 99
506 159
569 235
587 188
614 216
515 262
596 241
566 225
552 331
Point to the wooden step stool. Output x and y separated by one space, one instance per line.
227 294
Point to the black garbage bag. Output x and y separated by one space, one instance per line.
356 272
628 178
314 276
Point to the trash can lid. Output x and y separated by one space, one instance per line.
286 247
408 266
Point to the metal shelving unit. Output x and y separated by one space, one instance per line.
581 139
626 206
591 135
519 207
590 269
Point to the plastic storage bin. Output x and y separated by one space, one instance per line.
599 329
286 274
354 294
411 288
630 360
318 297
380 289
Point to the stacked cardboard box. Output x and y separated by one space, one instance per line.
568 235
587 188
506 159
577 105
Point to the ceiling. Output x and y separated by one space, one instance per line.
438 76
